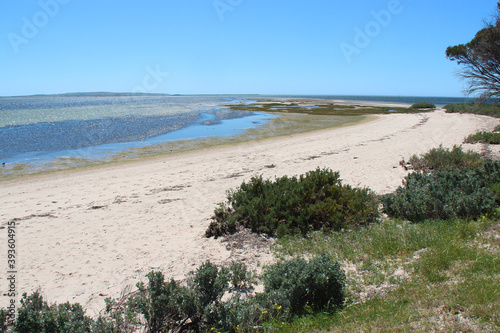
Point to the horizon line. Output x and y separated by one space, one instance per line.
128 94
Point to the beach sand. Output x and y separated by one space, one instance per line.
85 235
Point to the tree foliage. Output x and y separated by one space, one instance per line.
480 59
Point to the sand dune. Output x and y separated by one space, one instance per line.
84 235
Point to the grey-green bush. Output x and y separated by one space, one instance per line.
299 283
197 306
445 194
36 315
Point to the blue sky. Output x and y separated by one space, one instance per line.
329 47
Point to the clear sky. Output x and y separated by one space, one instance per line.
328 47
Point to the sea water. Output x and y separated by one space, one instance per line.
38 130
438 101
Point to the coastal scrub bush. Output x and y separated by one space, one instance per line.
170 306
197 305
294 205
4 318
210 283
299 283
496 189
423 105
36 315
484 137
291 288
240 276
158 303
492 110
444 158
445 194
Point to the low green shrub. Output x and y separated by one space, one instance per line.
197 305
240 277
496 189
160 303
492 110
484 137
292 288
171 306
36 315
423 105
445 194
4 319
302 284
209 282
444 158
295 205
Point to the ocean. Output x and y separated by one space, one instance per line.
438 101
37 132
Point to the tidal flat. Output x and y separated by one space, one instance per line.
267 118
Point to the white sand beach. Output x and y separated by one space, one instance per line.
85 235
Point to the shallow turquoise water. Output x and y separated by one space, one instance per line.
40 129
196 131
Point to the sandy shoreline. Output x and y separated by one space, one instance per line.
85 235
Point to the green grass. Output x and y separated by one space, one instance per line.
484 137
440 276
492 110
